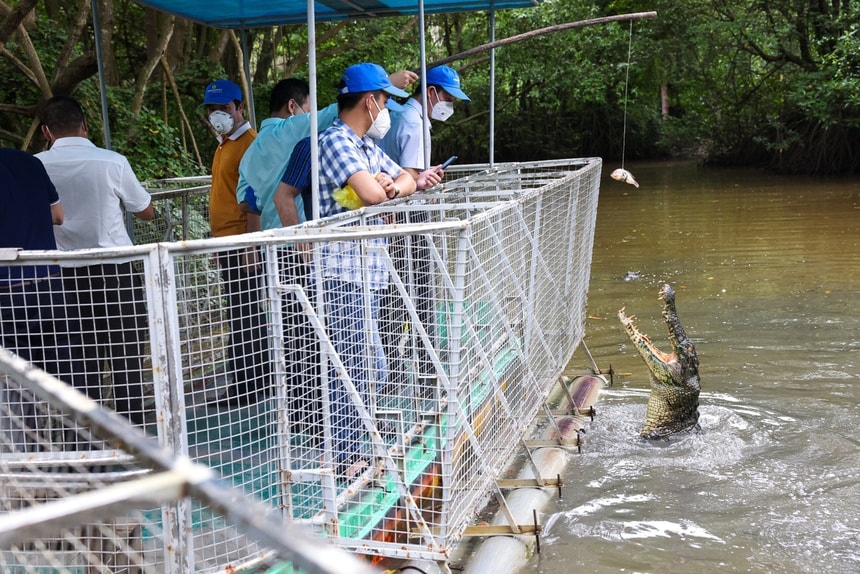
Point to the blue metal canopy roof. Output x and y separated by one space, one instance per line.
256 13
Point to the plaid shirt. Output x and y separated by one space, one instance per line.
343 154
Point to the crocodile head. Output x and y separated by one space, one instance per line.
673 405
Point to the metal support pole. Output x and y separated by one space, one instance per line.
312 83
424 112
97 33
246 58
492 160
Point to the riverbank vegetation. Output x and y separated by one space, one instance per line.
769 84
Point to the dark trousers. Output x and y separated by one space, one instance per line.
39 323
248 349
301 346
355 337
114 329
413 263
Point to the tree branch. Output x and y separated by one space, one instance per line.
19 64
35 62
72 39
16 109
76 72
240 59
165 34
302 57
31 131
13 18
169 73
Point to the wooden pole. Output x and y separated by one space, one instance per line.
541 32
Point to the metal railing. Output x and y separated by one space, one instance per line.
377 411
105 505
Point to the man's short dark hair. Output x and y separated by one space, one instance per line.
62 114
417 91
348 101
286 90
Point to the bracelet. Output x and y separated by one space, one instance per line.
396 191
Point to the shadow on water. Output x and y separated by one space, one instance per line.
766 272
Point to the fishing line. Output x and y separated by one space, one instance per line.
626 83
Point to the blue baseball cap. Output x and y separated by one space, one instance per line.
222 92
448 79
366 77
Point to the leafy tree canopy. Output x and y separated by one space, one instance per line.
774 84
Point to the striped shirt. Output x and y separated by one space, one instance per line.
298 175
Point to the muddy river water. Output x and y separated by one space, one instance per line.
767 273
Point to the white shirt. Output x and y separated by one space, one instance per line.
95 186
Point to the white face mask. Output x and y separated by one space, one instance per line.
380 126
442 110
222 122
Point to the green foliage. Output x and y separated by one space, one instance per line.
152 146
745 82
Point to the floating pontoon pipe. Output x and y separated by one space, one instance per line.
509 554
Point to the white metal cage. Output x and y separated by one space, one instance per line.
83 491
367 381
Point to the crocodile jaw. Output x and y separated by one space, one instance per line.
674 399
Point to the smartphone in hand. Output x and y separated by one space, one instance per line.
448 162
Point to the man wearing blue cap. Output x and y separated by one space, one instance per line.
404 143
349 156
248 352
263 165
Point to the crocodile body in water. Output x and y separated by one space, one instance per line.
673 405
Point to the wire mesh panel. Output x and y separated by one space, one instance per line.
72 500
366 381
46 457
86 321
181 208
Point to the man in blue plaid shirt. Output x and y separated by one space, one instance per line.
349 157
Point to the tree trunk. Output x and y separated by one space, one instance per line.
14 18
179 42
106 22
165 32
72 38
12 23
185 122
218 53
664 101
266 56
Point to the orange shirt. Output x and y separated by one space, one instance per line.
225 217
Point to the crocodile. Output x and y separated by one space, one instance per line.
673 405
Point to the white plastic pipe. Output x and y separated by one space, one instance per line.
509 554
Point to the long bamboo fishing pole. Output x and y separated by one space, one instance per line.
541 32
